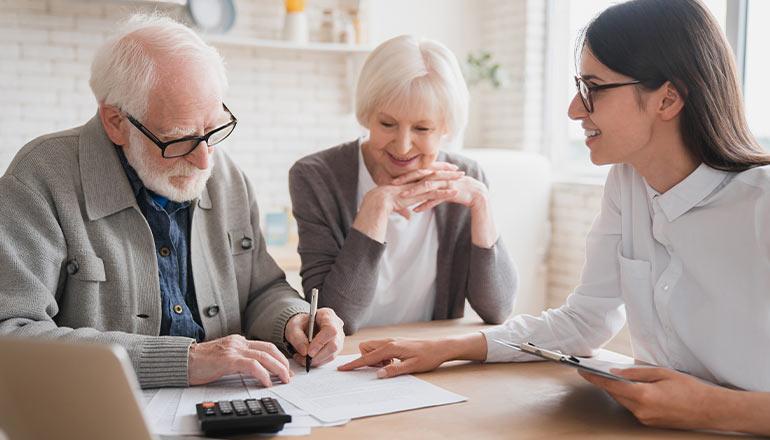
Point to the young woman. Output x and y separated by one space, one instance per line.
391 228
681 248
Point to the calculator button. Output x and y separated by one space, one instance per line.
240 407
269 406
254 406
225 407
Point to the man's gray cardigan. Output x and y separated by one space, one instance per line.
77 258
342 262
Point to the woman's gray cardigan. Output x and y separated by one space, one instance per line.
342 262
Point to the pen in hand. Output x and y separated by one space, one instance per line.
311 322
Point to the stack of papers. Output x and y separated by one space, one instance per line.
323 397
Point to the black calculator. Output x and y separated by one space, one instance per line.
241 416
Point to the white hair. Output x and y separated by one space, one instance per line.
418 75
125 67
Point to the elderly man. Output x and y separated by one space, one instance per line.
124 231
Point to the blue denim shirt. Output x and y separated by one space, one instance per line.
170 225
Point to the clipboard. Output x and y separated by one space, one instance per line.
594 366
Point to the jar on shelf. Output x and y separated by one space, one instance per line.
347 30
328 26
358 27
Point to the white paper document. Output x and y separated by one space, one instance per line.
171 411
323 397
329 395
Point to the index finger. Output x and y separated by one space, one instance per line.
411 176
444 166
372 358
326 335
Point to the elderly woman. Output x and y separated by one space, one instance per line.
391 228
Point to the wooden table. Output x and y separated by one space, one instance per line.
537 400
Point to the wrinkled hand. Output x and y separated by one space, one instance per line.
208 361
327 341
399 356
437 187
666 398
428 185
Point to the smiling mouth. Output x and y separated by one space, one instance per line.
403 160
592 133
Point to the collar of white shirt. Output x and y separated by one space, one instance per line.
690 192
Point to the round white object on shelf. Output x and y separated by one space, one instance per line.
215 16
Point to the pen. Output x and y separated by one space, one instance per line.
313 307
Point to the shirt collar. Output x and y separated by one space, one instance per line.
695 189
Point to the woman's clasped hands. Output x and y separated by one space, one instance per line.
417 191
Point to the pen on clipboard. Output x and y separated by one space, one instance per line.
311 323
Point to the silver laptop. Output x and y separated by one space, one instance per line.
65 390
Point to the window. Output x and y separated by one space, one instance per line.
756 88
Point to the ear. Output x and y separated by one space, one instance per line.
671 102
115 124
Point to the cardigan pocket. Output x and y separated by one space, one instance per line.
241 240
85 266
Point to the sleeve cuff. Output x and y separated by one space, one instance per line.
163 362
279 331
500 353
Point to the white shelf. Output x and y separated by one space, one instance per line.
289 45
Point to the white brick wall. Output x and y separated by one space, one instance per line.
515 33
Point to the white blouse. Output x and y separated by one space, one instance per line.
690 268
406 273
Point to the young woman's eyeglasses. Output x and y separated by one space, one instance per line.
186 145
585 90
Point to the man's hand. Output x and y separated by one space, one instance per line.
208 361
327 341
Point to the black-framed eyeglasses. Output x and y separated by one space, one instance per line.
186 145
585 90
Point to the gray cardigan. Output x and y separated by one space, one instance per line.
342 262
78 259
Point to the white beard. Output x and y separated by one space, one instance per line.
158 179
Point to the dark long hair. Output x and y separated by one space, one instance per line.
656 41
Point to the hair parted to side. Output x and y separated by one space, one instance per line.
421 77
125 67
656 41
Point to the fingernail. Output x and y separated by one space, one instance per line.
381 373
